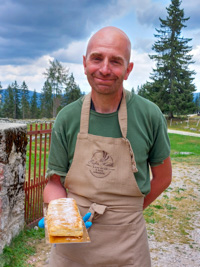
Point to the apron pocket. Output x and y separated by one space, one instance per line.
111 245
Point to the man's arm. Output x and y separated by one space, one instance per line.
54 189
161 179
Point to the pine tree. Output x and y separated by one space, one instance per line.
8 103
57 76
17 100
72 91
25 101
46 101
172 88
34 107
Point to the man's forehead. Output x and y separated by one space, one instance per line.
101 54
110 38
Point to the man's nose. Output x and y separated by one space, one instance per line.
105 68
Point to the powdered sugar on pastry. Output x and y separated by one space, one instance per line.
63 218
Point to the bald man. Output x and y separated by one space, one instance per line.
101 149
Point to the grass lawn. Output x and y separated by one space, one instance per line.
185 148
21 248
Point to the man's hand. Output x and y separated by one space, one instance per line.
85 219
54 189
162 177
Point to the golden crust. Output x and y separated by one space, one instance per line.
63 218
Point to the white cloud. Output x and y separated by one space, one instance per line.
31 73
142 68
73 53
196 66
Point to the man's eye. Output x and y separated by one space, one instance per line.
96 58
115 62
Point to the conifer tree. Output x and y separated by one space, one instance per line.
17 100
57 76
34 107
25 101
72 91
46 101
8 103
172 87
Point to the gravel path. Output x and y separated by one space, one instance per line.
172 245
184 133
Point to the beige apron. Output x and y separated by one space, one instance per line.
101 179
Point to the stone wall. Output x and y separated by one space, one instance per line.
13 141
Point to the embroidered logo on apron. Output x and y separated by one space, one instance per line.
101 164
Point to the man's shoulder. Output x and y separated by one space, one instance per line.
139 102
72 108
70 113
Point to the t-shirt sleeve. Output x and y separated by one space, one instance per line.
161 146
58 156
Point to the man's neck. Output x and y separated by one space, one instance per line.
105 103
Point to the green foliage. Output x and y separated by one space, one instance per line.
47 101
25 108
72 91
172 85
34 108
21 246
8 106
57 77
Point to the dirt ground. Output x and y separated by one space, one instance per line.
174 239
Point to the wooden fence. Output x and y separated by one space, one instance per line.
39 139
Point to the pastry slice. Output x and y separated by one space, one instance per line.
63 218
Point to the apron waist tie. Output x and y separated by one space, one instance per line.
96 211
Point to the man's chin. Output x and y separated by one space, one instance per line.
105 90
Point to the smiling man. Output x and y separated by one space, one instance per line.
101 149
107 65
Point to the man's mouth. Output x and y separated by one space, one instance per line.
104 80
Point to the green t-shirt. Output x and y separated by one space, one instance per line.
147 133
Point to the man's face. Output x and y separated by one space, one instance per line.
107 63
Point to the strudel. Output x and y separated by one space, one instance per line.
63 218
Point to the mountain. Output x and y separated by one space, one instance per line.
30 93
196 95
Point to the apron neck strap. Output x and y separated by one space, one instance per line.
122 115
85 114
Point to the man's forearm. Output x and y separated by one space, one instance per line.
162 176
54 189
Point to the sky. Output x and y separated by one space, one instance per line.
34 32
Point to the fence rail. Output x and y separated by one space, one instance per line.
39 140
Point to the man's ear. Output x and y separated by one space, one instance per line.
84 64
128 70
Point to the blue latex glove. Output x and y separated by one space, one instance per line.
85 218
41 223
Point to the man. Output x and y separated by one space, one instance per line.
104 144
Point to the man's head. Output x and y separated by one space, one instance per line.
107 61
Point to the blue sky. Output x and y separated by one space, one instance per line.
34 32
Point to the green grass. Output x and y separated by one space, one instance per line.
181 144
21 248
35 160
